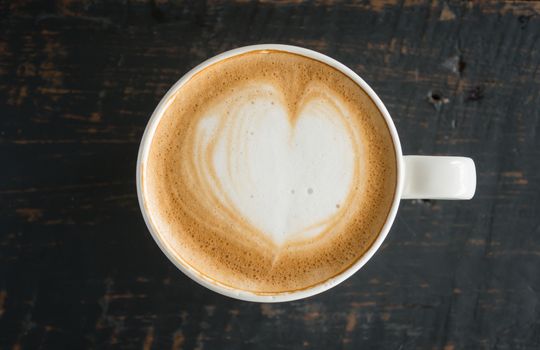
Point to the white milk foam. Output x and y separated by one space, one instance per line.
288 177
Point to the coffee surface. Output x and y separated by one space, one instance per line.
269 172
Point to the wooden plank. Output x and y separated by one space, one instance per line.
78 81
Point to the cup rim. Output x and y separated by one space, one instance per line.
248 295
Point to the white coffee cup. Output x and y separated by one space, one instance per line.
421 177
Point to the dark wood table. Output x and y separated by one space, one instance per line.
78 82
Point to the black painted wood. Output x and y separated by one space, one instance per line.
78 81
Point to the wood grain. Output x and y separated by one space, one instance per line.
78 81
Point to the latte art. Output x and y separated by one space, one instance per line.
286 175
269 172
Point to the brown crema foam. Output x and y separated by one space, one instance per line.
213 238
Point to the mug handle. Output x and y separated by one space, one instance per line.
437 177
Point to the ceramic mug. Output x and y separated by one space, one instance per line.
421 177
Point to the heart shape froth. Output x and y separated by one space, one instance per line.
286 176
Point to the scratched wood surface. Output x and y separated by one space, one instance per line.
78 269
